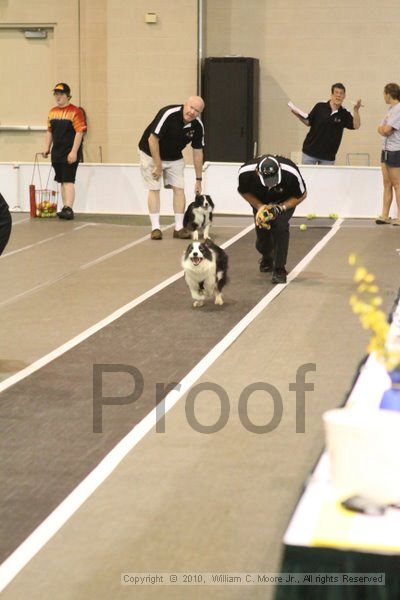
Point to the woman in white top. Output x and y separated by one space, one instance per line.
389 130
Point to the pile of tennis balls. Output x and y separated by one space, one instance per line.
46 209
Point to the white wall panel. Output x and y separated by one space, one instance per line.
108 188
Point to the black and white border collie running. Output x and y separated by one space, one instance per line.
206 266
198 216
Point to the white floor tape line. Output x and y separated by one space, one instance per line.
41 362
92 263
21 221
119 250
49 527
44 241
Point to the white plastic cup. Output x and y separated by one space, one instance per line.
364 453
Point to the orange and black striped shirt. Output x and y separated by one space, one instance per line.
64 122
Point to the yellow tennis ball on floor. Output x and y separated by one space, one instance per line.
303 227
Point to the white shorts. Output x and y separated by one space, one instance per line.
172 174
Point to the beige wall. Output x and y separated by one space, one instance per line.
303 48
121 70
149 66
93 82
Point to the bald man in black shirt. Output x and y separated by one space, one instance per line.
160 152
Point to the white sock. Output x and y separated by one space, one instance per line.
155 221
178 221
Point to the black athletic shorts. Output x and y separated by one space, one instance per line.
391 158
65 173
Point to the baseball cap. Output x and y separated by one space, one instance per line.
269 171
62 88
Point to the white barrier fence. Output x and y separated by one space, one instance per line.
111 188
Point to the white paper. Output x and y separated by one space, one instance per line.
297 110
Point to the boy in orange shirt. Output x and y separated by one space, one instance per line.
66 126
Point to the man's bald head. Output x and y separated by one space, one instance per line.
192 108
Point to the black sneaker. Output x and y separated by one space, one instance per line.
66 213
266 264
279 275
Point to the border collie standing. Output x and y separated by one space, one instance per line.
198 216
206 266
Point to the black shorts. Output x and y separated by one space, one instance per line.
65 173
391 158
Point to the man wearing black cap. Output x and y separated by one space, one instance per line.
66 126
273 186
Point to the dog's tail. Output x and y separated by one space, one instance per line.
186 216
222 269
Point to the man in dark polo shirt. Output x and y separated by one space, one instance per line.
327 121
272 185
160 154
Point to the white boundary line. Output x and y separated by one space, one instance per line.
21 221
96 261
130 226
53 237
104 224
44 360
49 527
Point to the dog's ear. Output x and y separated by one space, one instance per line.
198 197
210 202
188 251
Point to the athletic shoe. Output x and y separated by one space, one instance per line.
383 220
66 213
156 234
395 221
266 264
182 234
279 275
